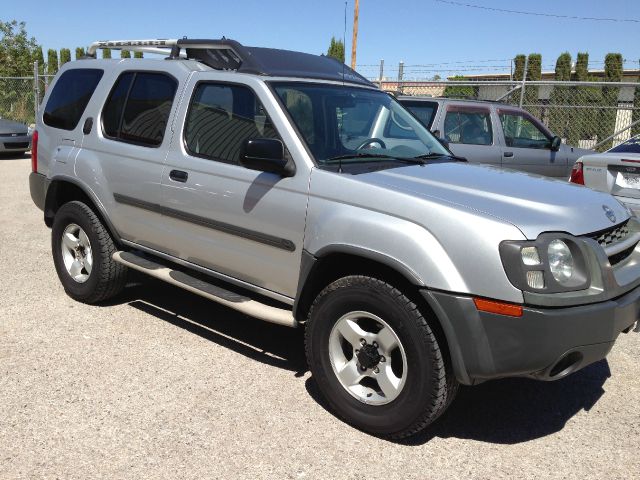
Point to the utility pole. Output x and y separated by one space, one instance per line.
354 41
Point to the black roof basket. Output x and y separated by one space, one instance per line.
225 54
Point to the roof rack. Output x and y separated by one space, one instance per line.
225 54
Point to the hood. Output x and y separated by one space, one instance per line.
9 126
532 203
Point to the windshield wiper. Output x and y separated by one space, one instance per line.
358 155
435 156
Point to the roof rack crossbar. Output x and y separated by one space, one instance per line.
219 54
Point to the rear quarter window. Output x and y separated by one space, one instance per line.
70 97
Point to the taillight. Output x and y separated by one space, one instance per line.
34 151
577 175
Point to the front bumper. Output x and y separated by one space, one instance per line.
545 343
19 143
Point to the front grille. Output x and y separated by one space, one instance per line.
611 236
619 257
16 145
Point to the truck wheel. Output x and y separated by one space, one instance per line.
82 249
375 358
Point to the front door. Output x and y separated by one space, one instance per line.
527 145
244 224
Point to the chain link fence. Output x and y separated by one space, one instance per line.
595 115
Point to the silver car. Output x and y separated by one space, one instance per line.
14 137
494 133
266 180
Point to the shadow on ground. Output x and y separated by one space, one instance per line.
503 411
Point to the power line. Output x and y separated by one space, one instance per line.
538 14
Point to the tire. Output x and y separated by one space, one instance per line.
83 280
409 391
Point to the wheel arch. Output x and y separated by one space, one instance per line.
63 190
333 262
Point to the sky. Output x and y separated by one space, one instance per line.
430 36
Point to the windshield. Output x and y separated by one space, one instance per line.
355 125
630 146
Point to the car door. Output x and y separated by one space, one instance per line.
470 132
527 145
123 156
246 225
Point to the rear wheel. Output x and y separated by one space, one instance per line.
82 253
376 359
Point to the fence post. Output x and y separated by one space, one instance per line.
400 74
524 80
36 90
381 72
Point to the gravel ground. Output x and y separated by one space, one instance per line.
160 383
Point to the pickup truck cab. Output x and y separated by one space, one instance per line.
494 133
266 180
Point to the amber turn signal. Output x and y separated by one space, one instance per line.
501 308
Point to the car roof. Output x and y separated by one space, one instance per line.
457 100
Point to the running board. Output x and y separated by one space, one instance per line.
238 302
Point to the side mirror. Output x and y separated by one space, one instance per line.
555 143
444 142
436 133
266 155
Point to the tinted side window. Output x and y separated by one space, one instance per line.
468 126
138 108
424 111
70 97
221 118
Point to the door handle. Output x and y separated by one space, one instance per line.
508 154
178 176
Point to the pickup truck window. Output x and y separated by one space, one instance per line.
520 131
70 97
221 118
468 125
138 107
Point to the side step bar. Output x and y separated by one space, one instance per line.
227 298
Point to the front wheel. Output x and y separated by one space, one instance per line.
376 359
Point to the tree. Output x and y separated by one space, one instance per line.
560 119
65 56
563 67
39 57
336 49
125 54
582 67
534 73
518 71
106 53
137 55
79 53
17 50
460 91
52 61
534 67
612 73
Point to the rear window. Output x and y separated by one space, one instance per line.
630 146
137 110
70 97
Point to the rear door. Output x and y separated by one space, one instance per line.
122 158
470 132
527 145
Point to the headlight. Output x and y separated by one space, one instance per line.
560 261
553 263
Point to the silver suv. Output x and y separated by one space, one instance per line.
264 180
